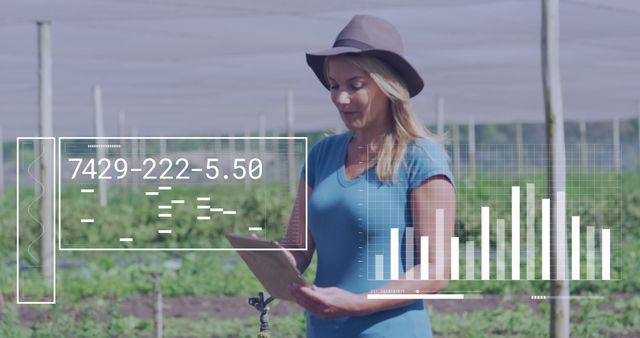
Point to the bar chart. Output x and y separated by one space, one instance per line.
507 233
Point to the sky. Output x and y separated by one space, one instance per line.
203 68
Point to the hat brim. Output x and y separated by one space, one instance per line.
404 69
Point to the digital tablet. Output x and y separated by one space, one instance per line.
272 267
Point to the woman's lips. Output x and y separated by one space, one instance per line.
350 113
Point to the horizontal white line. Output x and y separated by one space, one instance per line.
103 146
255 228
230 212
204 198
87 190
86 220
216 209
136 169
126 239
204 207
165 206
152 193
415 296
204 218
164 215
196 169
177 201
164 231
164 188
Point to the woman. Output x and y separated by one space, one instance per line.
385 172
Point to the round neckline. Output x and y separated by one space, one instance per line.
342 173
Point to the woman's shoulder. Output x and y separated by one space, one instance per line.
330 143
426 149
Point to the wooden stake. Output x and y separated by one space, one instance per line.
556 167
100 143
46 158
290 155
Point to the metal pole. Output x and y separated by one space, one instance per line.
616 143
247 145
584 151
100 143
440 114
46 160
121 132
135 159
262 130
519 149
290 134
471 130
163 148
556 168
456 151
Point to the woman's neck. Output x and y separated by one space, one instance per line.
364 138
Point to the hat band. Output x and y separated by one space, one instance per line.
352 43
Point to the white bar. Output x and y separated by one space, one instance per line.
177 201
455 258
255 228
500 249
164 215
164 231
395 254
470 261
165 207
87 190
204 218
546 239
196 169
204 198
379 267
424 257
561 236
230 212
515 233
152 193
485 243
531 232
164 188
605 247
86 220
136 169
408 252
216 209
415 296
591 253
575 247
440 249
126 239
204 207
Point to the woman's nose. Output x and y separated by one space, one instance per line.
343 98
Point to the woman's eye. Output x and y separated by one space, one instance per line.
333 87
356 85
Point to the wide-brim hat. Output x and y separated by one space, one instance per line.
366 34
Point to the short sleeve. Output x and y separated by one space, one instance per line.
426 159
310 165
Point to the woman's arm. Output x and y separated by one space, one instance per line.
435 193
294 236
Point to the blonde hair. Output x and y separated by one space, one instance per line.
405 128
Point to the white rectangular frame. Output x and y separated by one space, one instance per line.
306 221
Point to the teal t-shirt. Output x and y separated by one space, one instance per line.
350 221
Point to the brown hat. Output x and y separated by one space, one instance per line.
366 34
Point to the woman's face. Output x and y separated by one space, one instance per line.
361 103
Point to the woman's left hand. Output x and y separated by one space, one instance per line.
328 303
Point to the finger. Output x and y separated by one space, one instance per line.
309 303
